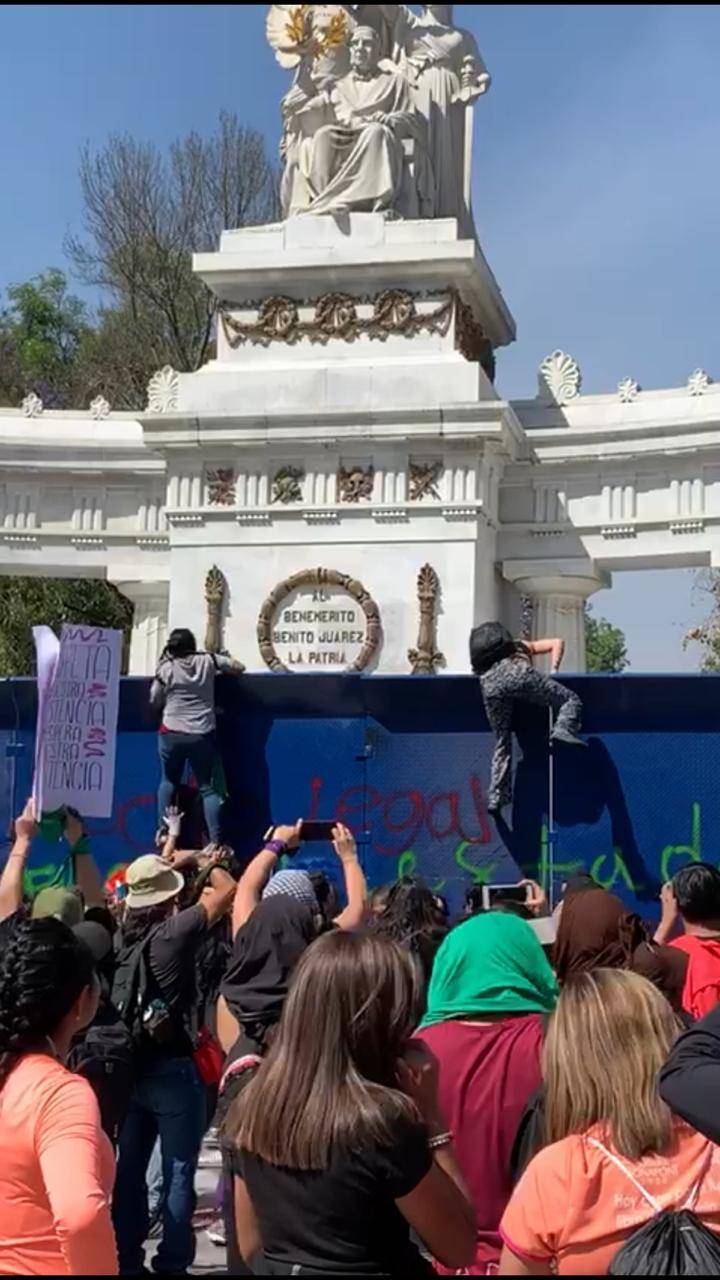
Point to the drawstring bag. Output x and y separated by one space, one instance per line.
673 1243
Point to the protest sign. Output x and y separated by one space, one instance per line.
78 696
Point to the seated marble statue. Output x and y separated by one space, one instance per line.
357 145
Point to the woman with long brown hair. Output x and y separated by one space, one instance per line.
340 1145
615 1149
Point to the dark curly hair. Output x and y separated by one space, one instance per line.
410 913
43 970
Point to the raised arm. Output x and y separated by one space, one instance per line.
87 874
257 873
11 880
670 916
556 649
217 896
226 665
355 883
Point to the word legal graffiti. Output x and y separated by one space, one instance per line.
405 815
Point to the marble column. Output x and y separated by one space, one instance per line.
150 624
558 594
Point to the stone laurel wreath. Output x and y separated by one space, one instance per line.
319 578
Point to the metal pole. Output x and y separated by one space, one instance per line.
552 834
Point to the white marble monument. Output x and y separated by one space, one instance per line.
345 460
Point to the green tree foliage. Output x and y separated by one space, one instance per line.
605 645
29 602
43 330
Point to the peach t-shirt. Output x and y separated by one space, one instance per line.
56 1175
575 1206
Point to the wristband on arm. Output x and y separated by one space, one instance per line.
278 847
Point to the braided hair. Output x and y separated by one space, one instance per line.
43 970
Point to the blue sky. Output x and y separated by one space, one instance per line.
596 188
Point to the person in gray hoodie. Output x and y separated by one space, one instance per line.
184 688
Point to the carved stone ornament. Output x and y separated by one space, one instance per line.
355 483
698 382
215 597
559 378
99 408
32 406
162 390
221 487
470 338
287 485
628 390
338 316
423 480
319 578
426 658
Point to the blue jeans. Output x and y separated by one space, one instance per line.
169 1100
199 750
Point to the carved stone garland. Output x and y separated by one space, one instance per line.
319 578
336 317
471 341
426 658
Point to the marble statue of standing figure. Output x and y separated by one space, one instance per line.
348 146
447 75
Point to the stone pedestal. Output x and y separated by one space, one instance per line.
349 423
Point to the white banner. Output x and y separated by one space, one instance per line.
78 697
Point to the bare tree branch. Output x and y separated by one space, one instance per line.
145 215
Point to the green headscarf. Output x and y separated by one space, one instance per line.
491 964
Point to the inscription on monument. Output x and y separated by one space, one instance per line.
319 628
319 620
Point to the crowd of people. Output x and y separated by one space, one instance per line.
397 1093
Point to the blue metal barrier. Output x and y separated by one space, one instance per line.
405 762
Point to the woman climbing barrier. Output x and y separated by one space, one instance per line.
507 676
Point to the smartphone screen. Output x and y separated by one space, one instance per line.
312 832
493 893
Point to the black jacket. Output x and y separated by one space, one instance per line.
690 1079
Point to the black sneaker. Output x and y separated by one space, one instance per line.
565 735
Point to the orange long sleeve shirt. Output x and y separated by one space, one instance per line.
56 1175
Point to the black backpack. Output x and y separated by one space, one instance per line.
137 997
673 1243
489 643
105 1056
140 1002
